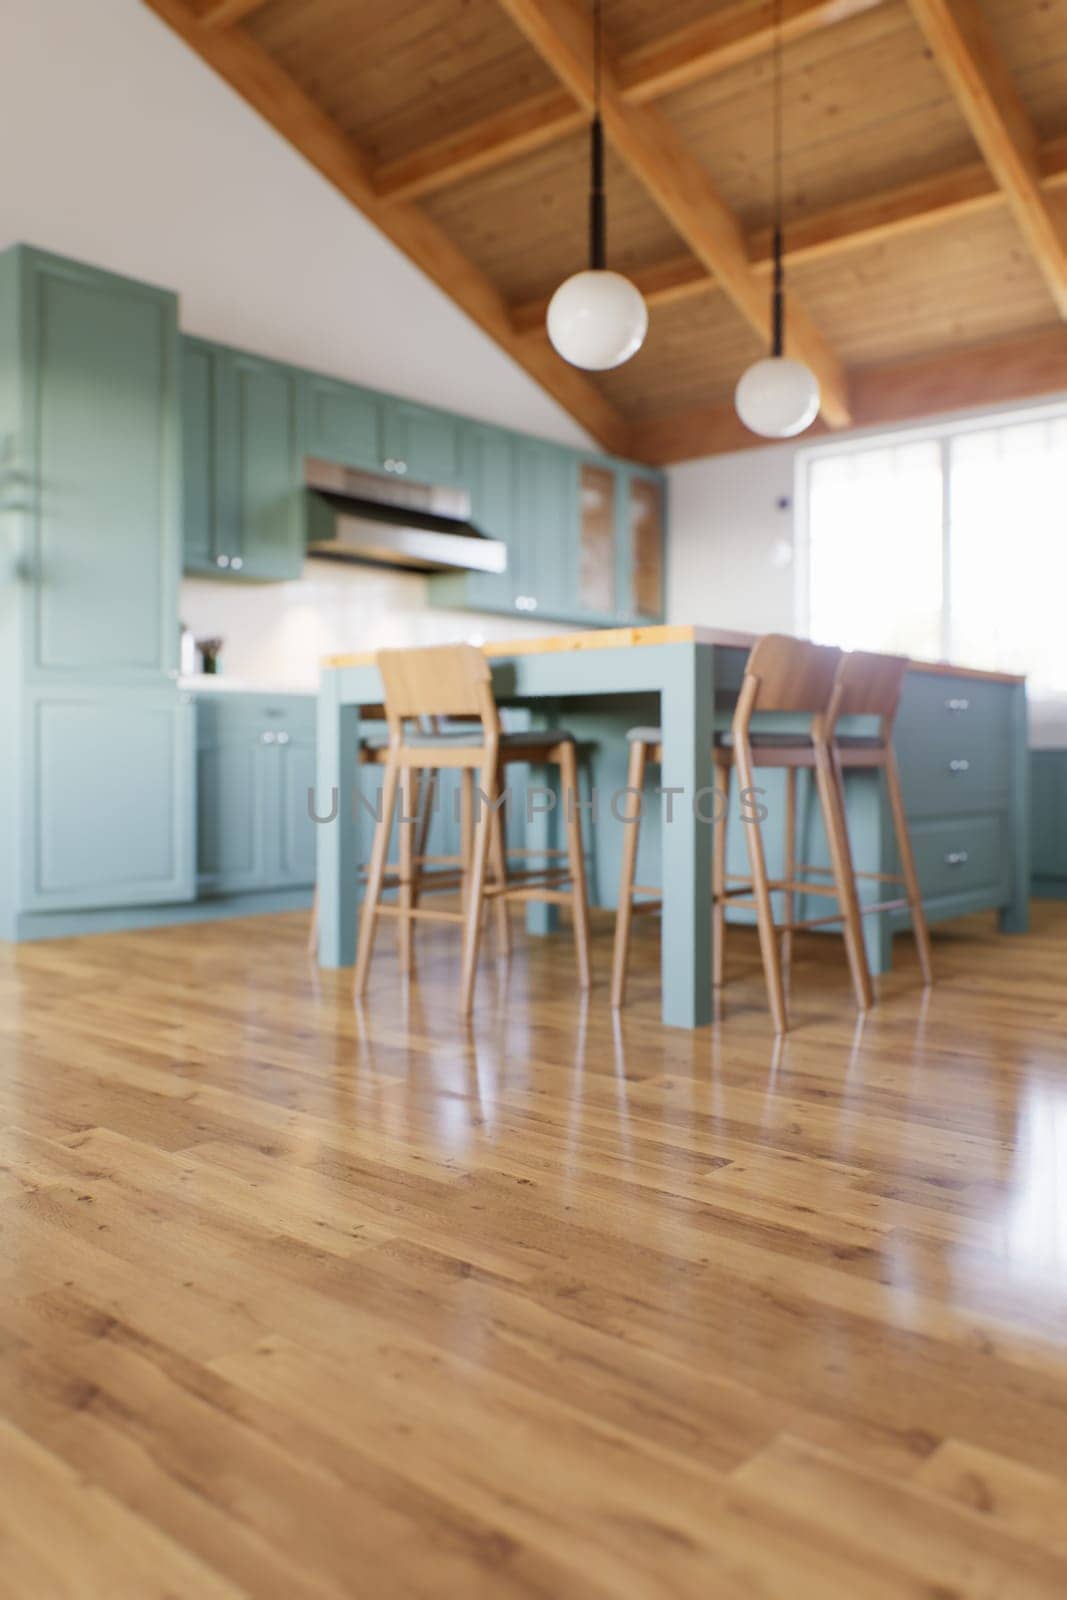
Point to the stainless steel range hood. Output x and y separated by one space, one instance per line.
390 522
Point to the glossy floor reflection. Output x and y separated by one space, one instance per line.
307 1299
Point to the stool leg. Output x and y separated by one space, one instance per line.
568 762
472 931
635 778
500 873
832 801
406 826
907 869
768 937
790 865
466 832
376 872
718 878
313 930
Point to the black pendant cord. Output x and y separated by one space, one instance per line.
597 211
778 300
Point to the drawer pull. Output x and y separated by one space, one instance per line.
960 704
955 858
959 765
268 737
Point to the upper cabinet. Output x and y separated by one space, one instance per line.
243 511
584 533
98 447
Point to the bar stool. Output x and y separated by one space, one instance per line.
870 685
453 681
782 676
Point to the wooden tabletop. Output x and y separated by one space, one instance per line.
663 633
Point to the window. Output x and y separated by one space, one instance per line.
947 544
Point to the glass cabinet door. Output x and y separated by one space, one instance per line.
596 540
646 546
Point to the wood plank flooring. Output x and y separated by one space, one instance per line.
306 1301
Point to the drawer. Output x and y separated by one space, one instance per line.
962 856
954 745
232 714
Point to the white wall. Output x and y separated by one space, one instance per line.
123 149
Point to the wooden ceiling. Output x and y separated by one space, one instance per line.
926 183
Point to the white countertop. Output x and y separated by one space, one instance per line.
219 683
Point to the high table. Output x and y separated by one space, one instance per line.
961 743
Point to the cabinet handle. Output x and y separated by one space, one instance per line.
955 858
283 738
957 705
222 561
268 737
525 602
389 464
400 466
237 562
959 765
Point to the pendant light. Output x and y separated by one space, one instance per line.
597 319
778 397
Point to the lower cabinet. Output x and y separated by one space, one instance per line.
107 799
1048 800
255 767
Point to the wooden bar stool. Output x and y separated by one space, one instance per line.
453 681
870 685
783 676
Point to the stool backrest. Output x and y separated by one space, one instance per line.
790 674
869 685
449 680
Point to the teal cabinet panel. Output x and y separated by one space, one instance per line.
108 802
342 423
489 471
266 512
957 856
547 517
1048 799
421 443
102 428
200 431
255 765
954 742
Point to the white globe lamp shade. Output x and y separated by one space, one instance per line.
777 397
597 320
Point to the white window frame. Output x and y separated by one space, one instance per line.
856 443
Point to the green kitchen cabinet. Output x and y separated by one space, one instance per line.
342 423
489 457
642 548
107 798
95 446
255 767
244 512
546 575
422 443
1048 797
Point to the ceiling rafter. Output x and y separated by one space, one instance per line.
961 43
961 192
997 373
279 100
226 13
715 44
678 183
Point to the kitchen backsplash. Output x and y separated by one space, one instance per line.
276 634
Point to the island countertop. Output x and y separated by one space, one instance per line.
657 634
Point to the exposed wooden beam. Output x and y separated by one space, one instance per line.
249 70
999 373
724 40
487 144
960 40
225 13
948 195
676 180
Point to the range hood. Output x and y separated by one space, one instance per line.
389 522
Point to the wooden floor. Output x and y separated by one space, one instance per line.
302 1302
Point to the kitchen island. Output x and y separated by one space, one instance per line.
961 741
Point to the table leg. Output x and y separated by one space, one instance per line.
337 853
687 698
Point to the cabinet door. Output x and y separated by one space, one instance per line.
103 430
232 783
1048 798
645 519
295 829
200 434
342 423
422 444
597 540
108 799
264 520
547 529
